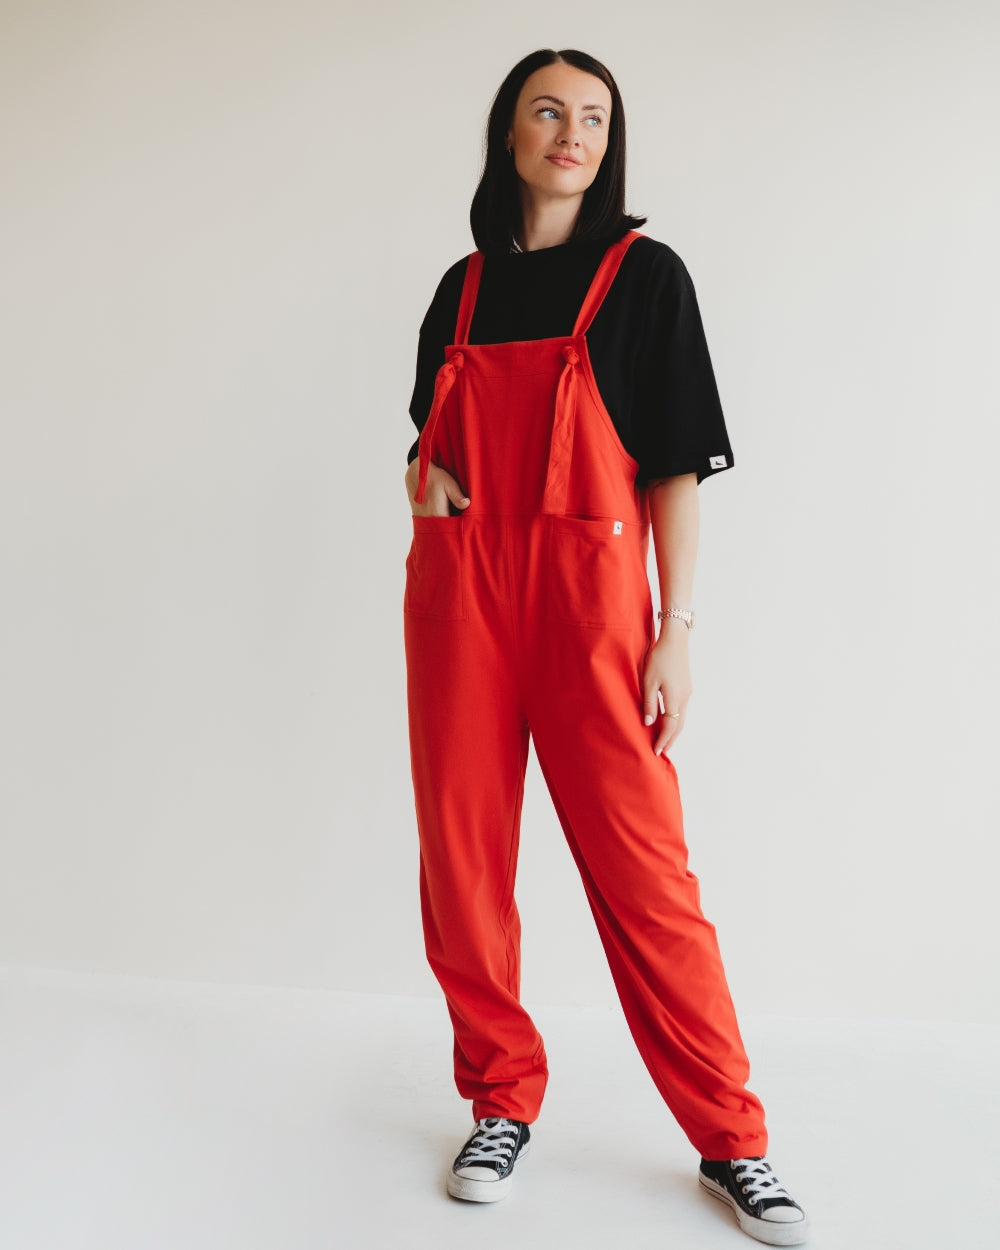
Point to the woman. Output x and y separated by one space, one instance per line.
566 407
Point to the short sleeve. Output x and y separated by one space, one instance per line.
680 425
436 331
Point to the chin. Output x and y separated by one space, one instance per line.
561 182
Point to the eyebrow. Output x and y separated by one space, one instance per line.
562 103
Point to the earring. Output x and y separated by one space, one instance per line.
510 153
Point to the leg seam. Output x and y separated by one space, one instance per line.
513 985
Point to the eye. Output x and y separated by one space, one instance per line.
595 119
550 111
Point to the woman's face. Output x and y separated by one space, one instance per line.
559 132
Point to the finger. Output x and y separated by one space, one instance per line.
652 704
671 728
455 493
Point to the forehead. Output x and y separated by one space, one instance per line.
567 83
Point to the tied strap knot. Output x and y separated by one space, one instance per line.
571 355
443 383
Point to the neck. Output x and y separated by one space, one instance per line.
547 223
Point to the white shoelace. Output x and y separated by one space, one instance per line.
755 1178
490 1143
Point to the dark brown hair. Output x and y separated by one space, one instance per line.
496 206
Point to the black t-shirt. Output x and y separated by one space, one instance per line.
647 345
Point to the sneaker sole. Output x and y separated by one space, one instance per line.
484 1191
768 1231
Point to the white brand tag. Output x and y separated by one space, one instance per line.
618 528
717 462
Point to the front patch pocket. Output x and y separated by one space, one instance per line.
434 569
592 574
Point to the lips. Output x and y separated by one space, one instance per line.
564 162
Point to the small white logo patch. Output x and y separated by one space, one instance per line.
618 528
717 462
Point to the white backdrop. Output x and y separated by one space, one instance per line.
222 224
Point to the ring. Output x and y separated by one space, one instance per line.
673 715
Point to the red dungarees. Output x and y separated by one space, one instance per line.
530 613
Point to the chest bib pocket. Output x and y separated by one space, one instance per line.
434 569
593 572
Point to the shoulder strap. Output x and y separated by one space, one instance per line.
470 289
601 284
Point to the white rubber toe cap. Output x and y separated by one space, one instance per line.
782 1215
472 1173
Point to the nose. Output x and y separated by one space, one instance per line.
570 133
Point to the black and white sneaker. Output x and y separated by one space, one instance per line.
763 1206
482 1172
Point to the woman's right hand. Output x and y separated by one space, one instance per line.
442 489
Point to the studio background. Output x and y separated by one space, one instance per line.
222 226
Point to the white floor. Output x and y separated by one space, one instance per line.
138 1114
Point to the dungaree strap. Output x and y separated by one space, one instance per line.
443 383
561 438
470 289
607 270
564 417
446 375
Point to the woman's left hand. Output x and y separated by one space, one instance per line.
667 675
